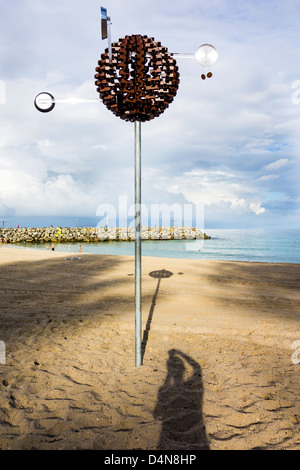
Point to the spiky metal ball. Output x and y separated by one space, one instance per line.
140 81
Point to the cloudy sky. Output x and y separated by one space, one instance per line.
230 143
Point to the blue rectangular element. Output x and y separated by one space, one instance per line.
103 13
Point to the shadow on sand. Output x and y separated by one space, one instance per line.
179 405
160 274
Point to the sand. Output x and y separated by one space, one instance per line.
219 369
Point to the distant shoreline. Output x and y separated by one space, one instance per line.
278 246
65 254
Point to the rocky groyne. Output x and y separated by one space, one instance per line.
92 235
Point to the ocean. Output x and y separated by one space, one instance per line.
253 245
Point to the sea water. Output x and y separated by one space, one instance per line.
253 245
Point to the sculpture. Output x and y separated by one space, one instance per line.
140 80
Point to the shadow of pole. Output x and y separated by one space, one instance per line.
160 274
148 324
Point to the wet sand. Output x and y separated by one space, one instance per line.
218 366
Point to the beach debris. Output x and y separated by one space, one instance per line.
12 401
295 419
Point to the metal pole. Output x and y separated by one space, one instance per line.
138 284
109 38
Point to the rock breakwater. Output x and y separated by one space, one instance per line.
92 235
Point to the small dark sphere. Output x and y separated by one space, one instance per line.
140 81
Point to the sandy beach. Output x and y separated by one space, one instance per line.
218 366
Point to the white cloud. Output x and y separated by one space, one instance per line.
30 195
100 146
282 162
268 178
215 187
257 208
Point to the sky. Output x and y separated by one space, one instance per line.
229 144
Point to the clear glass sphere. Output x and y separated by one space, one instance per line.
206 55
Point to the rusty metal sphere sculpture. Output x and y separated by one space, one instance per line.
140 80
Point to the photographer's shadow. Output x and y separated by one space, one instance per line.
179 406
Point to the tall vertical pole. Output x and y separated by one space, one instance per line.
138 251
109 37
